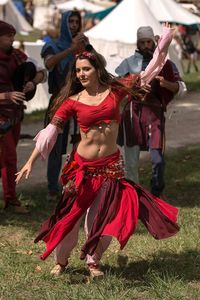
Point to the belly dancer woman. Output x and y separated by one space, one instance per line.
93 180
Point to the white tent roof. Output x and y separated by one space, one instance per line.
191 7
3 2
115 36
104 3
41 98
13 16
122 23
171 11
79 4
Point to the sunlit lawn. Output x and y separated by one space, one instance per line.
168 269
192 79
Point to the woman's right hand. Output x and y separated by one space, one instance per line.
25 171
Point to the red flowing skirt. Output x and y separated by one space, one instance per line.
122 203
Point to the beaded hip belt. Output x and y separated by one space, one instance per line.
114 170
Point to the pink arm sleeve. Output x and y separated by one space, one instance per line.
45 139
159 57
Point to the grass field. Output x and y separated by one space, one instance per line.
192 79
167 270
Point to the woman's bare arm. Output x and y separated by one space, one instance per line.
27 168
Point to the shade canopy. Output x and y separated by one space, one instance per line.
13 16
115 36
123 21
171 11
80 5
100 14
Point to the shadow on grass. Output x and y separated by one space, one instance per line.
184 266
182 176
40 209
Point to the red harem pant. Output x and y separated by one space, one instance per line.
122 202
9 163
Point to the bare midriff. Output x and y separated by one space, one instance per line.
99 141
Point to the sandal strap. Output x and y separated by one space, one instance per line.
95 271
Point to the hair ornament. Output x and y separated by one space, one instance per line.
86 54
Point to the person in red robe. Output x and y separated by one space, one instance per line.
19 77
143 123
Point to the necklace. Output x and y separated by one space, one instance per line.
97 96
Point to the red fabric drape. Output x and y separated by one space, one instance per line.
121 203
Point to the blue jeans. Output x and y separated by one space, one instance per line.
131 158
158 168
55 159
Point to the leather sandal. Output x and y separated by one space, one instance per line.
57 270
95 271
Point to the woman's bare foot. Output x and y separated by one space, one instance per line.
57 270
95 271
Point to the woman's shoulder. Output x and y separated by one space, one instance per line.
74 97
71 101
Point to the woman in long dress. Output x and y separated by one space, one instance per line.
93 180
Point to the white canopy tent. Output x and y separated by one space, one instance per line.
80 5
115 36
171 11
191 7
104 3
47 13
10 14
2 8
41 98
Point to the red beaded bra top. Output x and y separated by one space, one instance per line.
89 115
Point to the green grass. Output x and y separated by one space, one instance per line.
165 270
33 36
35 116
192 79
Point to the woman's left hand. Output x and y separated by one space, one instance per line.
166 24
